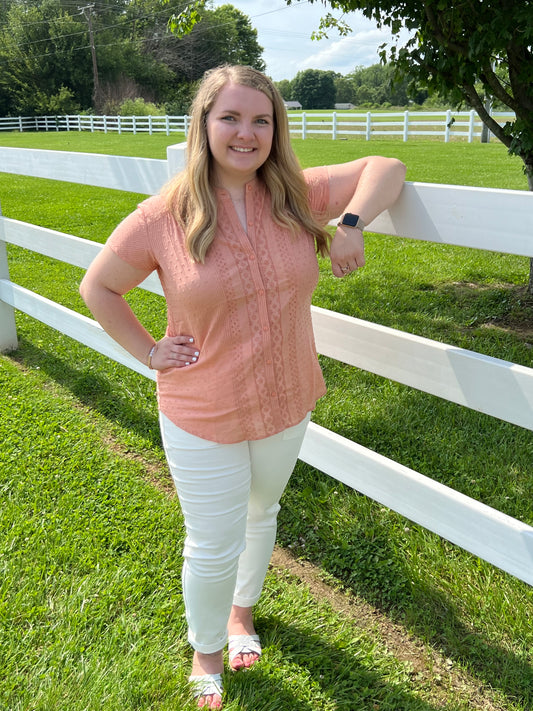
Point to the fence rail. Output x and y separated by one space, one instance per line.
105 124
501 220
447 125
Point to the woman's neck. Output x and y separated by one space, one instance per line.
237 195
234 186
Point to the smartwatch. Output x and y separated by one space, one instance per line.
351 220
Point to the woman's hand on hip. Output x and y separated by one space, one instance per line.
174 352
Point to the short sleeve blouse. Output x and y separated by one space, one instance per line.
248 309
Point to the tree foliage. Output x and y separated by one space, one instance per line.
314 89
378 85
46 64
221 35
366 87
458 48
42 55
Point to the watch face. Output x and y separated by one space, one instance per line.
350 220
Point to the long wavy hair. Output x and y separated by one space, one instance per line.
190 195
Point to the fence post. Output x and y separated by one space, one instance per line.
406 126
186 125
368 125
176 158
448 120
334 126
304 126
471 123
8 329
150 125
20 124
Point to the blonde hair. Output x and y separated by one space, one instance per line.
190 195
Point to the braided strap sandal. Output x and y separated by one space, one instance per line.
239 644
204 686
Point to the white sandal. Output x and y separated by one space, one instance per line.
206 685
243 644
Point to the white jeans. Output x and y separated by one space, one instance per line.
229 495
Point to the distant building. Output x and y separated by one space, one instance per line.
340 107
292 105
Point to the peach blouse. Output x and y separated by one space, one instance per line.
248 309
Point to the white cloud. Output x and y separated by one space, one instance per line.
285 34
345 54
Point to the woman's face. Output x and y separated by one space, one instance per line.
240 129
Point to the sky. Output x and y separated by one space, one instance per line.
285 34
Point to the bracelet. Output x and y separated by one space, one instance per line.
152 351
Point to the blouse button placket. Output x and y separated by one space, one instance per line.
260 295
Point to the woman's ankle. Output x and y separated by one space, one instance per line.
241 620
207 663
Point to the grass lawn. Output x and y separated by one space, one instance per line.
91 615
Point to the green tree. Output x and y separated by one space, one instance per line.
344 90
125 69
458 48
378 85
43 51
223 35
314 89
58 55
285 88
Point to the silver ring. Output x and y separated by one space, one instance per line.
345 269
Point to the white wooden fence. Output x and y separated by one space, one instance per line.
500 220
335 125
445 124
106 124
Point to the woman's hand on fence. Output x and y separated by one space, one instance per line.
347 251
173 352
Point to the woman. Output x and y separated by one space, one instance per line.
234 239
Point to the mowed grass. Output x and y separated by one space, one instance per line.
90 608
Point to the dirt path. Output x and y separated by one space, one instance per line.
430 669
